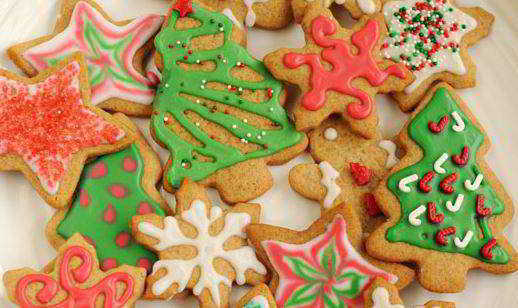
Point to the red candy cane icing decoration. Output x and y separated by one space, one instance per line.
423 184
440 238
346 66
487 249
482 210
462 159
438 127
433 217
84 298
447 182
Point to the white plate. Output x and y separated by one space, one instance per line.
23 214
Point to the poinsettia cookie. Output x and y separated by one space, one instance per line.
113 188
320 266
446 207
218 110
201 248
357 8
431 38
75 280
49 128
115 52
339 71
258 297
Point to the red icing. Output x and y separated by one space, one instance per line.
346 66
447 183
122 239
144 208
361 174
109 215
437 128
118 191
462 159
482 210
145 263
440 238
84 199
487 249
129 164
47 123
433 217
108 264
423 184
76 297
184 7
372 206
99 170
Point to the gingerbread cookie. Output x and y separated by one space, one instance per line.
321 264
357 8
76 281
218 110
113 188
114 51
202 248
259 297
339 71
446 207
431 38
49 128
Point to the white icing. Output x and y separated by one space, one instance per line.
476 184
381 299
330 134
228 12
413 217
447 59
329 176
438 163
209 247
250 15
405 181
458 204
390 147
258 300
459 124
367 6
463 243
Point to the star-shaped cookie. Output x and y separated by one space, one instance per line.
432 39
201 248
357 8
339 71
322 263
49 128
115 52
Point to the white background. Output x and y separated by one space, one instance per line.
23 214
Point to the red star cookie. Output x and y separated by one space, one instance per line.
339 71
49 128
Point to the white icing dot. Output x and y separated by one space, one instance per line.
330 134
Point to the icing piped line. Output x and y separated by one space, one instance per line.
476 184
438 163
413 217
458 204
329 176
463 243
407 180
459 123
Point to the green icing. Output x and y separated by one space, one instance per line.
170 42
465 219
91 214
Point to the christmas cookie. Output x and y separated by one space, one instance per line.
446 207
339 71
218 110
49 128
75 280
320 266
202 248
113 188
382 294
431 38
259 297
114 51
357 8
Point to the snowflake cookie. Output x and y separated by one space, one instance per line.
115 52
75 280
339 71
431 38
446 207
202 248
320 266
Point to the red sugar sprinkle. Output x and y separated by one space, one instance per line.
108 264
487 249
84 199
118 191
109 215
144 208
440 238
99 170
447 182
145 263
129 164
122 239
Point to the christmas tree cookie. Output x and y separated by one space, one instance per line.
446 207
218 110
339 71
74 279
114 51
320 266
49 128
201 248
113 188
431 38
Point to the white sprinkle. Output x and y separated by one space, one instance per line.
203 81
240 89
238 63
167 85
198 61
197 124
198 101
234 126
263 133
271 109
245 120
229 87
249 135
178 42
202 86
259 137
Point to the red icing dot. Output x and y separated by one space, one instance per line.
84 199
129 164
99 170
122 239
89 240
109 214
118 191
108 264
145 263
144 208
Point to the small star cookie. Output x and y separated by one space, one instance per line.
49 128
115 52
